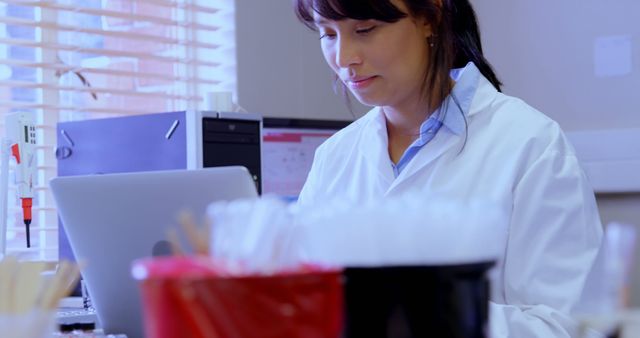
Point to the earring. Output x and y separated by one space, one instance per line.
430 40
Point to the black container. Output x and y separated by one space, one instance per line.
417 301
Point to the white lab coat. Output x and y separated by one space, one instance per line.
514 155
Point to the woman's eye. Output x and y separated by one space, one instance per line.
365 30
329 36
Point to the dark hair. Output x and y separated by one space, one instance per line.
453 22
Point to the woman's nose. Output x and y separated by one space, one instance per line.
347 53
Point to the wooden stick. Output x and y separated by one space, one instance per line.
8 268
172 237
197 238
27 285
50 288
71 279
59 285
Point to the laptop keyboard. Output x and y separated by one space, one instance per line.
92 334
67 316
84 323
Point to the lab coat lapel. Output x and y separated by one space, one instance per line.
445 139
441 143
374 146
483 98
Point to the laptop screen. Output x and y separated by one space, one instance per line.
113 219
287 152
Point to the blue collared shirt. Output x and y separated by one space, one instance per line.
450 114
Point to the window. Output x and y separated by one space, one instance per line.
77 59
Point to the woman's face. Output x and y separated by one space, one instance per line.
383 64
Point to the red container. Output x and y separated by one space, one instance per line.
195 298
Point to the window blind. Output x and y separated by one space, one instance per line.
70 60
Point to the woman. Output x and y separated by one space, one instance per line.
440 124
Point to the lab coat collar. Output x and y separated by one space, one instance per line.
375 141
375 144
445 139
455 108
441 143
484 96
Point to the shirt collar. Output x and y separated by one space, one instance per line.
456 106
454 109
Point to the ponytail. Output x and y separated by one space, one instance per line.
467 43
455 42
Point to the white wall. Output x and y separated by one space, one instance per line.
545 52
281 71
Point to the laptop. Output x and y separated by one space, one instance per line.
114 219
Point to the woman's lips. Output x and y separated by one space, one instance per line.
360 82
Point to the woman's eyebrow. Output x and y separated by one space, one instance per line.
320 21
